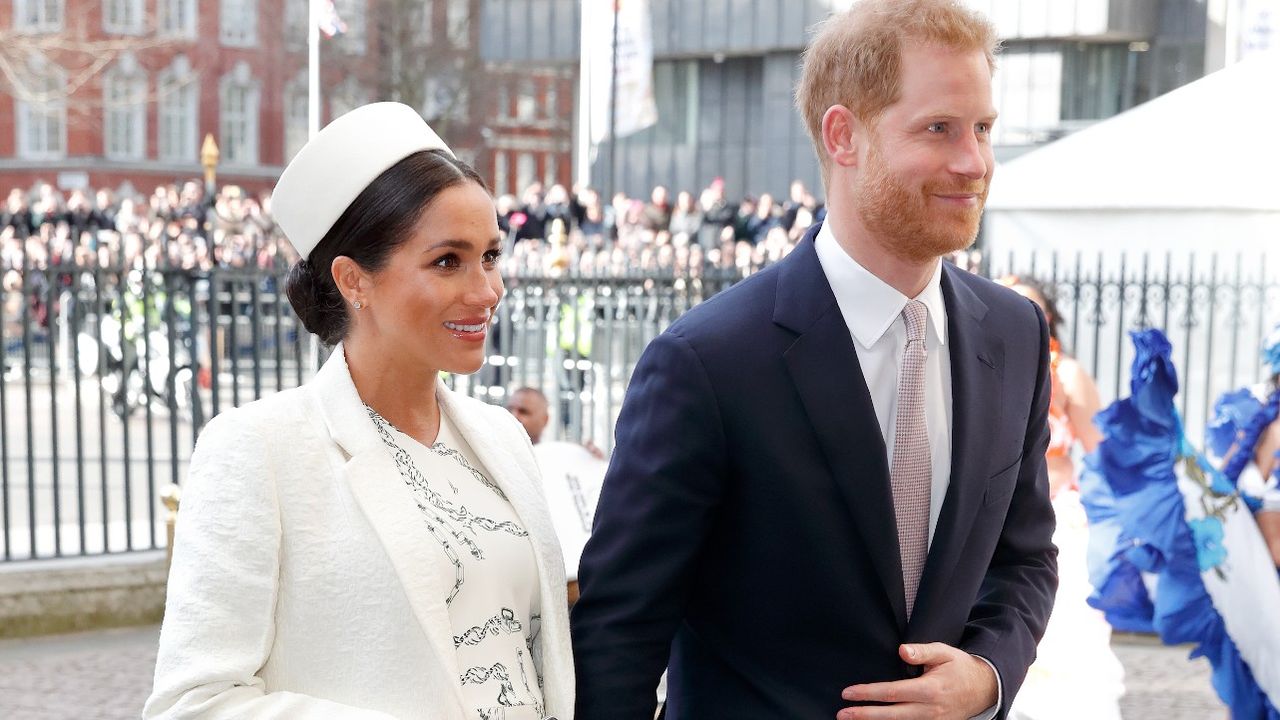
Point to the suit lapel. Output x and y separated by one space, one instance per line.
977 357
828 378
387 503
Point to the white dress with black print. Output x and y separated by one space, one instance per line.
493 602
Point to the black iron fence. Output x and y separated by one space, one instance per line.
109 374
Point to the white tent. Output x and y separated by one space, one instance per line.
1194 171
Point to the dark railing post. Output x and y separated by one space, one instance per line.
77 323
28 296
540 339
4 423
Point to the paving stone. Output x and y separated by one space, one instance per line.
107 675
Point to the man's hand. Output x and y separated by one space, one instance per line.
955 685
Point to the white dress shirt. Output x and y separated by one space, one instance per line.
873 311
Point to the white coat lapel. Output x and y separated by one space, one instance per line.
498 447
374 480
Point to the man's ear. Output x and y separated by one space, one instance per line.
352 280
842 134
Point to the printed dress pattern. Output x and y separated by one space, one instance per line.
512 681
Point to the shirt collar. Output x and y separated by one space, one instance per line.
870 305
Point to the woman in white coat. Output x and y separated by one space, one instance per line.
371 545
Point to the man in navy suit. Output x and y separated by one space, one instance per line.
828 496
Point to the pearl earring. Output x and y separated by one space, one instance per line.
357 304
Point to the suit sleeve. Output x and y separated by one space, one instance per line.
1017 594
659 500
219 623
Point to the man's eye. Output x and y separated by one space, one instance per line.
983 128
938 127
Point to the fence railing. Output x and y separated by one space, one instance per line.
108 375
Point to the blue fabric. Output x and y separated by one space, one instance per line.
1271 350
1119 591
1231 413
1142 441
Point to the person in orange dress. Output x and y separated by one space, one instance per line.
1075 674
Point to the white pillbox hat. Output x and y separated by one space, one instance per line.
336 165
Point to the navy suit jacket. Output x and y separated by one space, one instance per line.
745 534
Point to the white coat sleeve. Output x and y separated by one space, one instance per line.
219 622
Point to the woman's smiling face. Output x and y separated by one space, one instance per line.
436 295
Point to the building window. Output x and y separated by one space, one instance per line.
295 116
552 174
552 100
500 171
296 16
446 95
1100 80
348 96
352 13
526 171
458 22
238 125
675 90
124 103
176 91
42 116
526 100
239 23
503 102
177 18
122 17
422 22
1028 92
38 15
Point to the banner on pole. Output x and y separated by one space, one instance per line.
330 23
634 104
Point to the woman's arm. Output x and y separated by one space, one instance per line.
1265 458
219 622
1082 402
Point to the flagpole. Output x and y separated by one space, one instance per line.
584 104
613 110
313 67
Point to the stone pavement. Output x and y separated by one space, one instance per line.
106 675
101 675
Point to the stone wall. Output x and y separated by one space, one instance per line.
66 595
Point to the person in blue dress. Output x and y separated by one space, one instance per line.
1191 557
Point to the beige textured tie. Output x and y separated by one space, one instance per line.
911 467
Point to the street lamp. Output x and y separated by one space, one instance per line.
209 159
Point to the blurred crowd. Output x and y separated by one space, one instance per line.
550 230
556 230
173 227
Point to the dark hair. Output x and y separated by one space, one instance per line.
377 222
1043 290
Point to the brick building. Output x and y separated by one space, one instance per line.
117 92
529 134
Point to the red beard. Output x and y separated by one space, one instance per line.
908 223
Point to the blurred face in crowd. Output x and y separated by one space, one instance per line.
530 408
925 163
797 192
659 196
436 295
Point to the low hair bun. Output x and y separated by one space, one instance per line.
317 302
